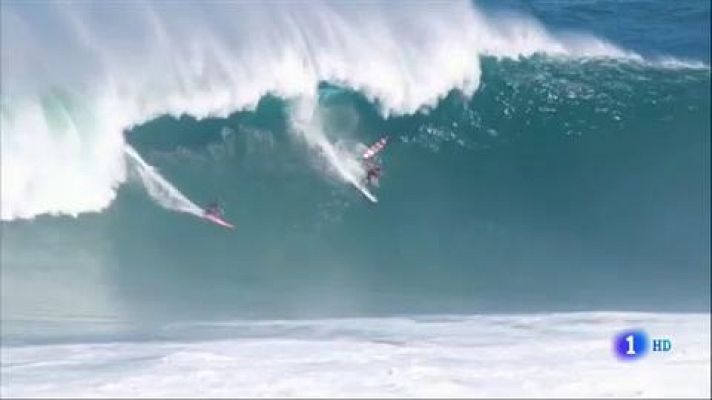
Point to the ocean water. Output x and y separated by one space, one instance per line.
546 185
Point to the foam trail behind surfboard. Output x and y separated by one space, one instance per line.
160 190
306 121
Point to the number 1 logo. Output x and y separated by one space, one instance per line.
630 345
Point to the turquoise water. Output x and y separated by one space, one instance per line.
561 184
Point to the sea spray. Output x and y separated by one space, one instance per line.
158 188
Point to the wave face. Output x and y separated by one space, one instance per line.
528 169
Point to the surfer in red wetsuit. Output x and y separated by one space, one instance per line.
214 213
214 210
373 168
373 173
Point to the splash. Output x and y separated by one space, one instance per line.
160 190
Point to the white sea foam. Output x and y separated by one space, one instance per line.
159 188
554 355
77 74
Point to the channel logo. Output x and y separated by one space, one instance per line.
635 344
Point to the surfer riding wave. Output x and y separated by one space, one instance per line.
371 165
214 213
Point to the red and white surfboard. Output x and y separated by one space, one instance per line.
218 221
375 148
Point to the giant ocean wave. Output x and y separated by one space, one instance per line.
77 75
528 169
541 188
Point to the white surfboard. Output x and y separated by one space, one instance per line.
366 192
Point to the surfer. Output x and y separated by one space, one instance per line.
373 173
372 167
214 213
213 209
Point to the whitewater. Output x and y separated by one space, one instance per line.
70 92
548 355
